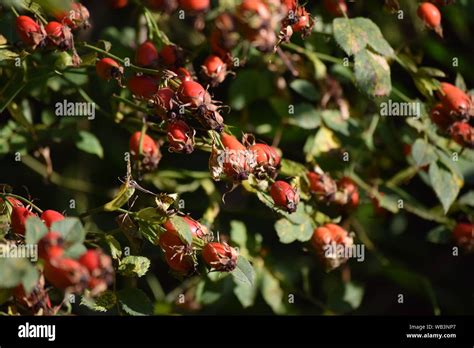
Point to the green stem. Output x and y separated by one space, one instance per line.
20 198
55 178
110 55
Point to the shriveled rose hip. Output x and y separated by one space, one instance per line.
265 155
349 188
29 31
64 273
51 246
454 99
220 256
193 93
284 196
180 137
108 68
326 240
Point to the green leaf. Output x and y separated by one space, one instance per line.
372 74
343 297
132 266
103 303
322 142
182 228
289 232
75 251
89 143
122 197
14 271
305 89
35 229
305 116
71 229
238 233
291 168
245 293
135 302
244 272
467 199
333 119
439 235
423 153
114 246
6 54
445 184
250 85
355 34
272 292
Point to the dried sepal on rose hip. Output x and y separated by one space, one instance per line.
220 257
263 159
30 32
108 68
455 101
101 271
431 16
233 160
59 35
214 70
321 185
164 100
440 115
150 154
180 137
179 255
462 133
37 302
76 17
285 196
170 240
347 193
463 235
327 241
51 246
171 56
66 274
224 35
258 23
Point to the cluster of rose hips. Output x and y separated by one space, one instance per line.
182 256
180 102
168 6
259 22
453 114
55 34
93 270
